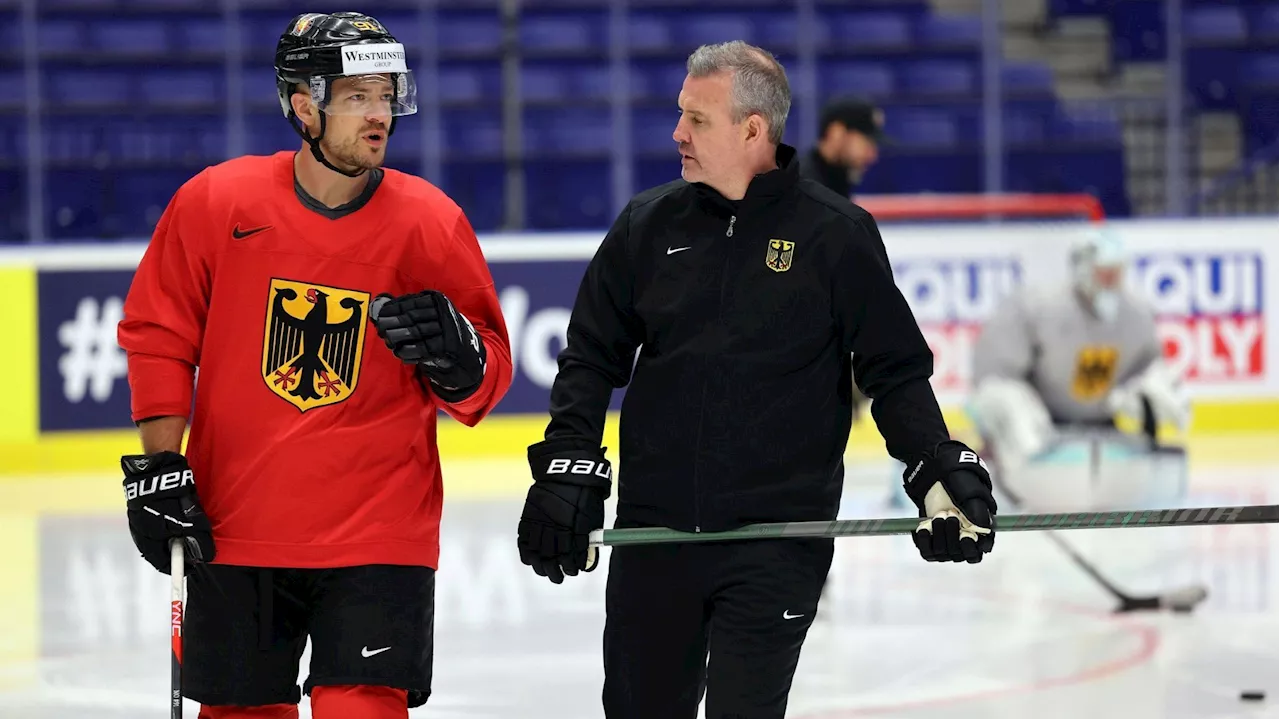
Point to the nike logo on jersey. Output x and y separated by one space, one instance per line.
240 234
673 250
364 651
788 615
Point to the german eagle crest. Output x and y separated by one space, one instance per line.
313 342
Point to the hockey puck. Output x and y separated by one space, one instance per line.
1253 696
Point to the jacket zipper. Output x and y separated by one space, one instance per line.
724 271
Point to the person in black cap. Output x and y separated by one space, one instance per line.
850 133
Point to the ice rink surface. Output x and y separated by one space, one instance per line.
84 621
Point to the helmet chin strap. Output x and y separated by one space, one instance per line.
314 143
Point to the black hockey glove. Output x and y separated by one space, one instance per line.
952 488
426 330
566 502
160 493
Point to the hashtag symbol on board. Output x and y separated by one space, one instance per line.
93 360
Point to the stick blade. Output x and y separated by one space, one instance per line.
1184 599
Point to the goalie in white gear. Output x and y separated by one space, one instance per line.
1054 364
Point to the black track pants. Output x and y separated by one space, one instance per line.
725 619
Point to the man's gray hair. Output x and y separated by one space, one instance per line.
760 85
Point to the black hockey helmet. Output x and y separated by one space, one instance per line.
318 48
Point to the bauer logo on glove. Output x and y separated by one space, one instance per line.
952 489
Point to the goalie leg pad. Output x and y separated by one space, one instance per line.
1010 414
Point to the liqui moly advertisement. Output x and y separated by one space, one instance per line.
1210 310
951 299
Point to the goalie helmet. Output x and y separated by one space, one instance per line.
1097 270
317 49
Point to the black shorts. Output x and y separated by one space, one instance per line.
246 627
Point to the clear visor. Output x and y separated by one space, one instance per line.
377 95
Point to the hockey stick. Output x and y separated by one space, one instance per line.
1183 599
177 603
1257 514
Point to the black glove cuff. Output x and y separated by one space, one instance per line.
571 461
163 475
960 469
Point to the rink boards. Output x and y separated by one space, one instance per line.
67 404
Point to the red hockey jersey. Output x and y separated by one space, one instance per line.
326 468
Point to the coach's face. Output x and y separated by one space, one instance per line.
712 146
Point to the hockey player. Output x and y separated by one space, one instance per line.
1079 356
754 299
309 494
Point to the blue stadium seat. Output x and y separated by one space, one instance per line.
13 138
13 204
545 83
657 81
89 86
859 31
567 129
60 37
14 80
925 171
694 29
1211 76
651 130
647 32
73 203
1260 122
1264 22
129 37
1091 123
1259 70
933 128
471 34
479 188
470 83
938 77
1026 123
473 132
1214 25
1026 78
197 35
164 89
1138 30
1078 8
562 32
138 197
73 139
949 30
568 194
776 31
845 77
269 133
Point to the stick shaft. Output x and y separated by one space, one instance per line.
1257 514
177 572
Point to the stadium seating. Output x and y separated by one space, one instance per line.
135 96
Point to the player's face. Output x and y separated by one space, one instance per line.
859 151
359 116
712 146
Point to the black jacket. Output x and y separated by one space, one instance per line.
745 315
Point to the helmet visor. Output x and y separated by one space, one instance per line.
388 94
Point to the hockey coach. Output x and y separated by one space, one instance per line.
752 298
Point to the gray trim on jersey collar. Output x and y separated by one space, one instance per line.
337 213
